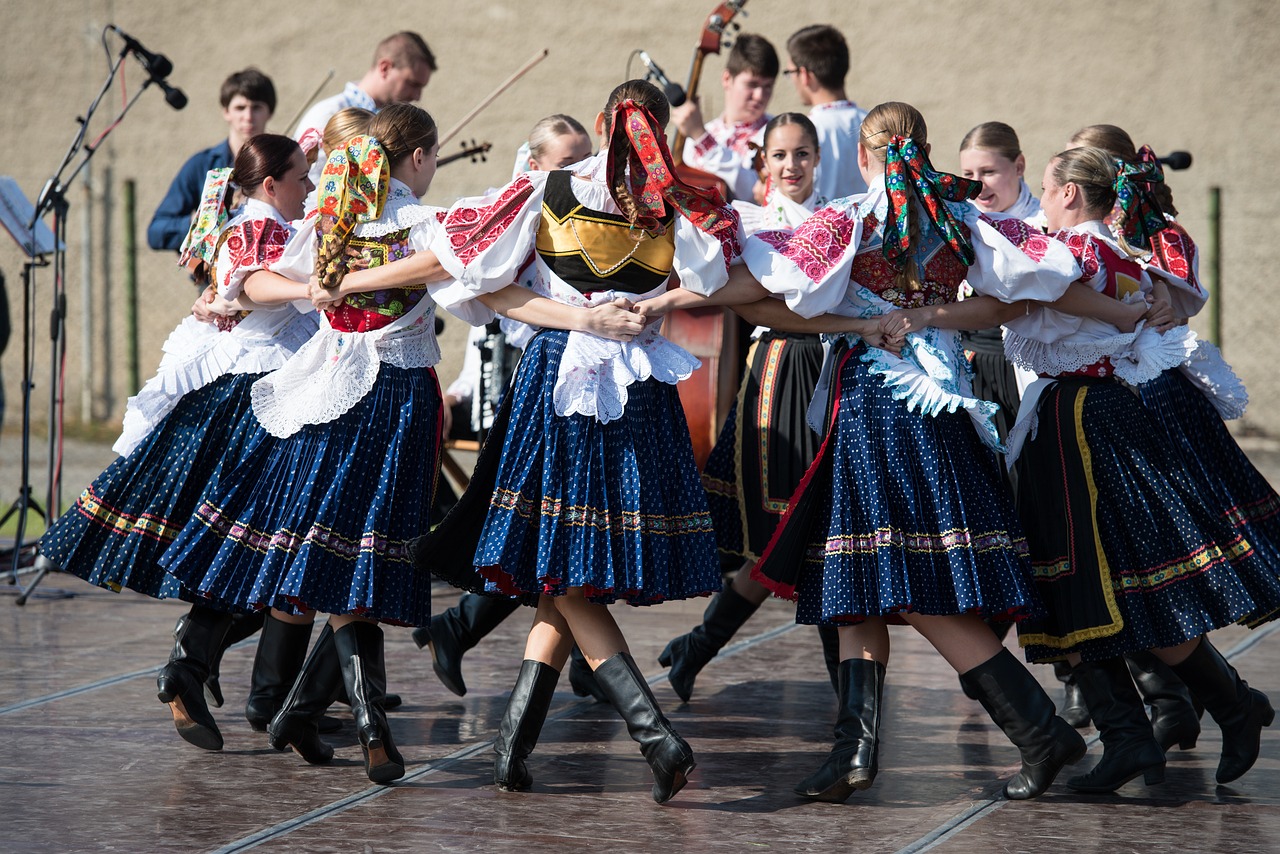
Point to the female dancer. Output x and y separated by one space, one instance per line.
766 443
902 516
595 496
555 142
1128 555
319 519
193 417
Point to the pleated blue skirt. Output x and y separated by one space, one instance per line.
616 509
900 512
322 520
120 525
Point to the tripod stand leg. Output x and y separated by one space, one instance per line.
43 565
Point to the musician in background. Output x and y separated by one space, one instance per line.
402 68
819 63
722 146
248 101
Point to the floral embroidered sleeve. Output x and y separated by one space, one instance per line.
249 246
810 266
484 242
1176 261
1013 261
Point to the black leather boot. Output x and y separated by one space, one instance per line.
242 626
459 629
521 724
296 724
1129 748
365 676
1024 712
1074 710
688 654
281 650
854 759
181 681
669 756
1239 710
582 679
1173 715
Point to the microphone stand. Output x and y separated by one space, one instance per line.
53 198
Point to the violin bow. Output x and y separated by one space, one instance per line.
309 102
489 99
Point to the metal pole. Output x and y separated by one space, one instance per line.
131 286
86 299
1215 266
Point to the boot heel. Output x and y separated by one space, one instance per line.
1153 776
665 657
1187 744
1269 717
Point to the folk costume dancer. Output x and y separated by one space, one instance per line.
556 142
191 422
766 444
902 516
1129 555
320 519
586 492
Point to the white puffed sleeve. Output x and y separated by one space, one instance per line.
1013 261
484 242
811 266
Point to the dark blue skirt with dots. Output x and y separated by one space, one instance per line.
900 512
1129 553
1222 472
322 520
616 509
122 523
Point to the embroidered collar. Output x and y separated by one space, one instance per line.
257 209
359 98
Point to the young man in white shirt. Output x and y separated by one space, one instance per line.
818 64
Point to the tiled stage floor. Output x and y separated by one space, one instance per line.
89 760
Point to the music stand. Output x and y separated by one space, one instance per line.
53 198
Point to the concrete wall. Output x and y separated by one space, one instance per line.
1182 74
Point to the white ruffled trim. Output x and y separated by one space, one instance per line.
1063 357
198 353
927 381
401 211
595 372
1028 420
333 371
1153 353
1211 374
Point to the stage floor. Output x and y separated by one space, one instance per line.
89 760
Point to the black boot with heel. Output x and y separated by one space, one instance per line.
854 760
281 649
296 725
521 725
364 674
1129 747
686 655
451 634
180 683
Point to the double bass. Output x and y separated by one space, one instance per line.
711 333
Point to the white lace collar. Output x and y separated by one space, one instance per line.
402 210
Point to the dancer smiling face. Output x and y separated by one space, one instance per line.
791 155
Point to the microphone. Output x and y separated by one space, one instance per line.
1176 160
673 91
157 64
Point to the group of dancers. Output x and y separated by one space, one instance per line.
283 461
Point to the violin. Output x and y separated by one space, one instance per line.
712 333
474 150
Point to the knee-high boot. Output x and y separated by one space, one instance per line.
242 626
1129 748
181 681
669 756
459 629
582 679
365 676
521 724
830 637
1074 710
1239 710
854 760
1174 718
686 655
296 725
1024 712
281 649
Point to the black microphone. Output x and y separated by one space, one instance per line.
1176 160
157 64
673 91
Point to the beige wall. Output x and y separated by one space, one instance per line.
1182 74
